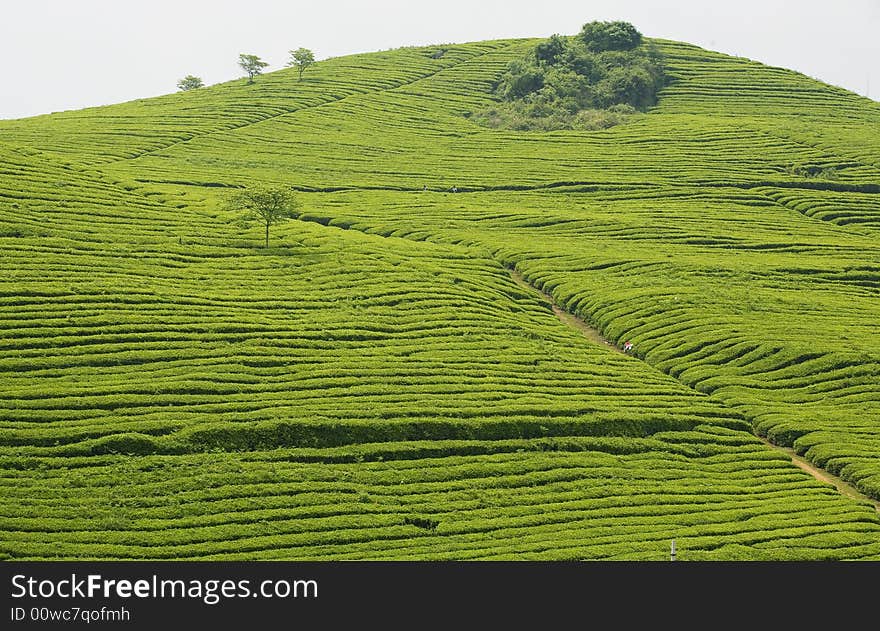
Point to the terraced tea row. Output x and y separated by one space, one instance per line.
346 331
352 339
708 82
712 309
718 492
418 135
103 134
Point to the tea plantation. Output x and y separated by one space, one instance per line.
378 385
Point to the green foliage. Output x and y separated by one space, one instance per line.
189 82
129 443
601 36
301 59
521 116
813 171
521 79
549 51
251 65
426 523
267 204
606 67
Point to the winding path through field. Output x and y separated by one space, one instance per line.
595 336
592 334
845 488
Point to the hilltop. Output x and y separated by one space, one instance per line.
378 384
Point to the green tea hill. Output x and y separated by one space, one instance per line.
377 384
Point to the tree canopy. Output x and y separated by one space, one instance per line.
265 204
252 65
301 58
189 82
602 36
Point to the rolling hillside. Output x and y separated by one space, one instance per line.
379 385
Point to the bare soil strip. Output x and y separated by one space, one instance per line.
573 321
843 487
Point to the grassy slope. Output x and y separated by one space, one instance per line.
313 400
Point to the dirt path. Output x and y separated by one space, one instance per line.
571 320
843 487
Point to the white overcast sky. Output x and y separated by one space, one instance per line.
68 54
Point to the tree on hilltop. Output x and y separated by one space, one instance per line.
589 81
266 204
550 50
301 58
252 65
189 82
602 36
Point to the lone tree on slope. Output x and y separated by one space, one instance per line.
301 58
189 82
252 65
266 204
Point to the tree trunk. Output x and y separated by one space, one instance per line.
267 234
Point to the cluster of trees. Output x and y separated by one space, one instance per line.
589 80
252 65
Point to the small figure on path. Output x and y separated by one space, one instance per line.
627 346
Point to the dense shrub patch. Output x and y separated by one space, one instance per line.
589 81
